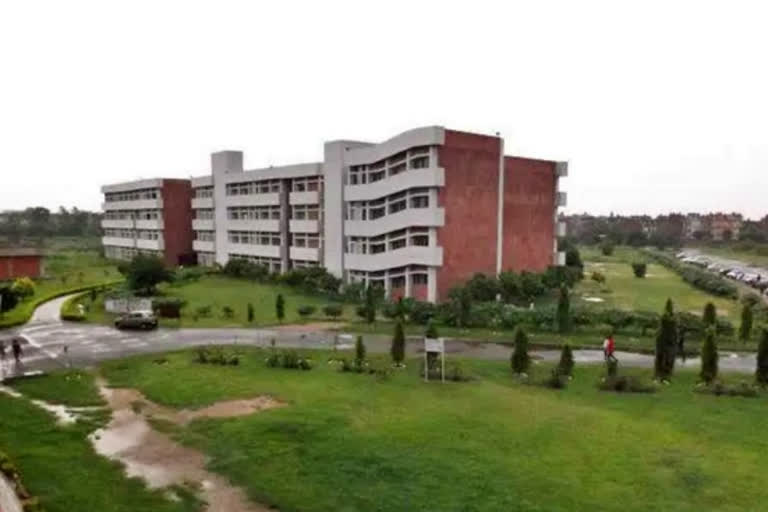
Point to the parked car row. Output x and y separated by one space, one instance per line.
755 277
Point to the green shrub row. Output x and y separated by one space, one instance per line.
697 277
289 359
11 472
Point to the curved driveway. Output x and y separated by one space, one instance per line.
51 343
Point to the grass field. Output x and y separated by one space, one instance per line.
218 291
623 290
57 462
66 271
354 443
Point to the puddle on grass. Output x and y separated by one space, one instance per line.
64 415
159 460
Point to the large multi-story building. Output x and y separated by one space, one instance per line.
149 217
417 214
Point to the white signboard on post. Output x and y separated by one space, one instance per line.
434 346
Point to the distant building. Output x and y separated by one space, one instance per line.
417 214
150 217
20 262
724 226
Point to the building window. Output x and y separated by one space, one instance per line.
419 279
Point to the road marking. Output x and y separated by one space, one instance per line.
38 328
39 347
100 349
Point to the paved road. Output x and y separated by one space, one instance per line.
49 344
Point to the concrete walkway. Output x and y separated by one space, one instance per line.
51 344
9 502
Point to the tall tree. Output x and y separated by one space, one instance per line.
520 360
745 328
370 304
398 345
666 343
565 366
280 307
143 273
709 357
710 315
359 351
564 311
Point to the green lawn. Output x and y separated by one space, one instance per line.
354 443
65 272
58 464
218 291
623 290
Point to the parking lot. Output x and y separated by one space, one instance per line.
748 275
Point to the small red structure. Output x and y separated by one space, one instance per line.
20 262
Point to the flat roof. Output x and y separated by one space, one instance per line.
6 252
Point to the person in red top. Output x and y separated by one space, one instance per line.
609 346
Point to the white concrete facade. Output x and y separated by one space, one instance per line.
368 212
133 218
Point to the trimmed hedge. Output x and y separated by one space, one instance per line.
29 307
699 278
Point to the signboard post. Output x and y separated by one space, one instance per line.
434 346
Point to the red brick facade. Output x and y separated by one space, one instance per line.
12 267
177 220
470 199
529 214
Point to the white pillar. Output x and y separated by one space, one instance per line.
431 284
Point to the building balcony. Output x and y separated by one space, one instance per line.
116 241
304 253
202 203
139 204
558 259
429 217
272 226
560 229
561 199
117 223
202 224
304 197
303 226
153 224
428 177
272 198
561 169
268 251
412 255
151 245
203 246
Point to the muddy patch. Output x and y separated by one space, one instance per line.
159 460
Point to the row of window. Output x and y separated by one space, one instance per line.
308 240
248 188
273 264
203 213
133 195
205 236
372 210
271 212
308 184
202 192
206 259
413 236
414 158
127 253
133 214
396 276
305 212
254 238
143 234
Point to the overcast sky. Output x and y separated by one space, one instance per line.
658 106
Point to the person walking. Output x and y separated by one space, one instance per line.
609 347
16 349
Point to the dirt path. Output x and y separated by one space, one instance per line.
161 461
